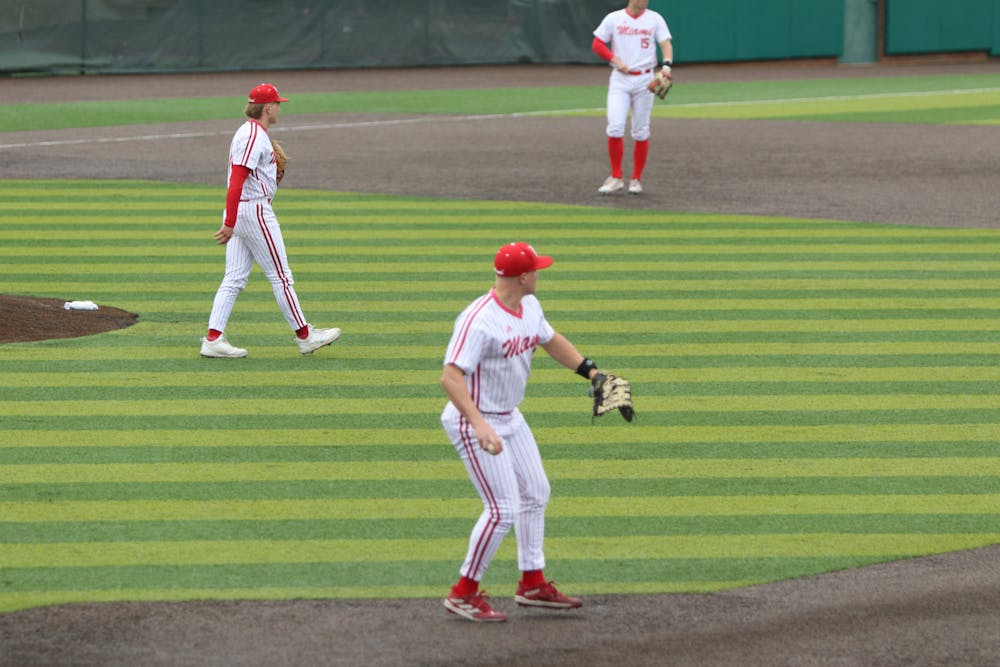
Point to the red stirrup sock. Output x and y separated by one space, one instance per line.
465 586
302 333
616 151
213 334
639 158
532 578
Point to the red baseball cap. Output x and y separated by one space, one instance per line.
515 259
265 93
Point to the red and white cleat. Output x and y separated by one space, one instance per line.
474 607
546 595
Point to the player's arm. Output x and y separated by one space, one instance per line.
602 50
667 49
233 194
563 351
453 383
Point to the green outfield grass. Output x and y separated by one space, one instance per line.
812 395
966 98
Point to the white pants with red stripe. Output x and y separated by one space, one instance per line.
256 238
512 486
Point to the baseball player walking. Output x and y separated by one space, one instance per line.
633 34
486 368
251 233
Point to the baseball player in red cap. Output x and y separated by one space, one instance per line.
486 368
633 33
251 233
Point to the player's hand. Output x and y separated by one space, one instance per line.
488 439
619 65
223 235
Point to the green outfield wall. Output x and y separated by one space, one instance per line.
225 35
726 30
934 26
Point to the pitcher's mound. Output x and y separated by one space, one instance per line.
28 318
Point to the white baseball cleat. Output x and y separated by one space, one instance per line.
634 187
317 338
221 349
611 185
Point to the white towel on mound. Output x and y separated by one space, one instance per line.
80 305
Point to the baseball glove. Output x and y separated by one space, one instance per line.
661 84
280 158
612 392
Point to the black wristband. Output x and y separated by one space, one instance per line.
668 63
583 370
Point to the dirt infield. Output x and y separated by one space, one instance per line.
939 610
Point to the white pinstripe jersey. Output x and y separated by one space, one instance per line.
494 347
251 148
634 40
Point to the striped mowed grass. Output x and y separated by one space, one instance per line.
811 395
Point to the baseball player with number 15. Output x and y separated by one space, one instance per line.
633 33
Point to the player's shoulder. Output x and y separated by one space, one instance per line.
253 130
651 15
477 307
245 132
656 16
530 303
616 15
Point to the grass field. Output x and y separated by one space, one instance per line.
812 395
952 99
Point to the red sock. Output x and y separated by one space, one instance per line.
212 335
302 333
639 157
532 578
616 151
465 586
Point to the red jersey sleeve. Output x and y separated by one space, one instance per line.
601 49
235 192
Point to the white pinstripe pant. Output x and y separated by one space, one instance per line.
512 486
256 238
